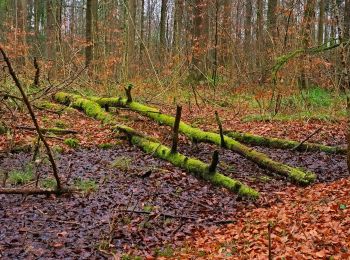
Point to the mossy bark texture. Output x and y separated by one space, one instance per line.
150 145
283 143
294 174
191 165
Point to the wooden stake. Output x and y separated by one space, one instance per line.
36 81
128 92
214 162
176 129
223 144
269 229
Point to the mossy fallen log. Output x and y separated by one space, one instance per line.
283 143
191 165
37 191
53 130
91 108
294 174
150 145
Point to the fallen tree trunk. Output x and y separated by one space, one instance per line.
36 191
294 174
150 145
53 130
191 165
283 143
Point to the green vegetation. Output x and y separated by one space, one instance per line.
86 186
283 143
48 183
72 142
57 149
122 163
314 103
131 257
148 208
107 146
3 128
19 177
167 251
60 124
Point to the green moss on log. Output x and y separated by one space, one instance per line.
294 174
283 143
91 108
194 166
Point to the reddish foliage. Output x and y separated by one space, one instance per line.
311 223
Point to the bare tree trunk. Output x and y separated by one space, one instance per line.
272 18
321 22
178 24
247 32
199 40
306 35
347 20
91 26
345 72
131 19
88 36
142 31
50 30
162 25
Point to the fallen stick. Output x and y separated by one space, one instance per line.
284 143
308 138
36 191
294 174
54 130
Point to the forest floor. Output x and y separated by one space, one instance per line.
146 207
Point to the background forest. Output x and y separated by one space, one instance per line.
180 129
171 43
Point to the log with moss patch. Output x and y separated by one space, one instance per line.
294 174
283 143
191 165
53 130
150 145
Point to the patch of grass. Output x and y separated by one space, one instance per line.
49 183
106 146
57 149
226 167
167 251
123 163
264 178
303 116
72 142
148 208
198 121
60 124
20 177
86 186
3 128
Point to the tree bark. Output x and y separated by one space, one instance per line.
162 24
321 22
283 143
199 40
